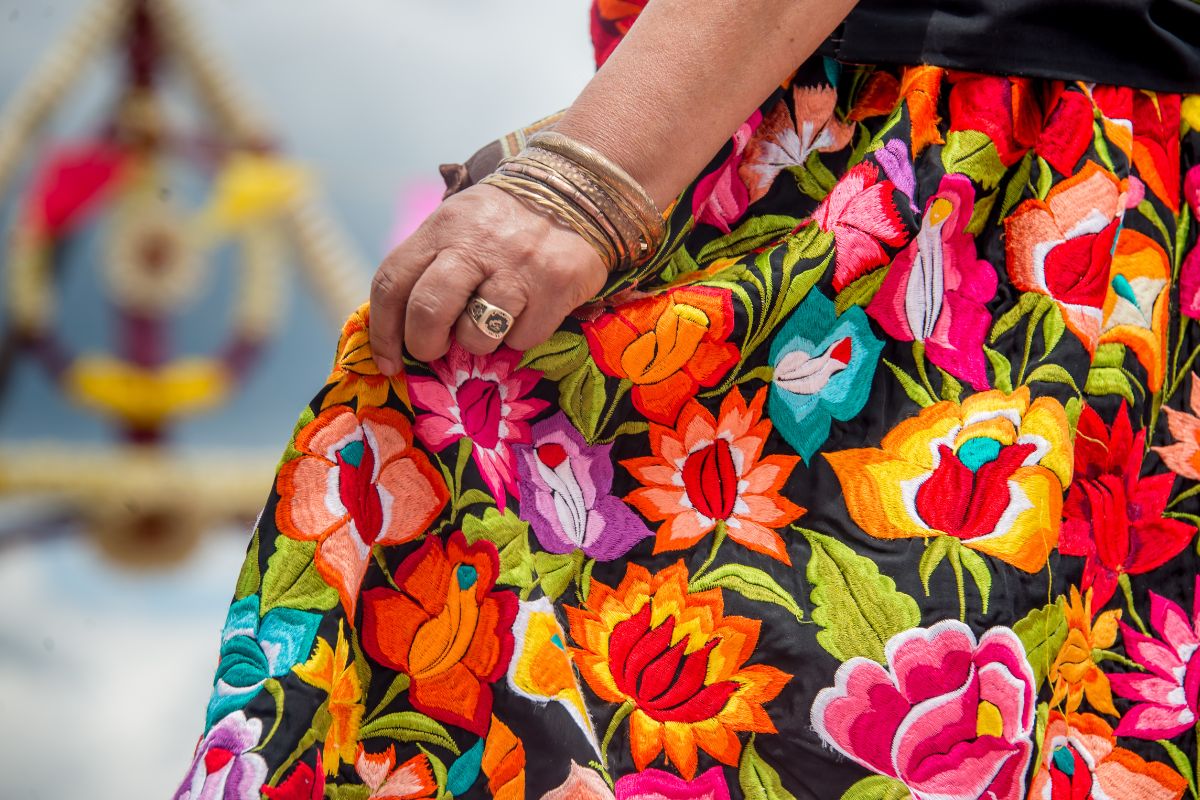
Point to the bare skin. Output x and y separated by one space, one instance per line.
683 79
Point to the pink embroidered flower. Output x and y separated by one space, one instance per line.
948 716
720 197
861 213
483 399
1166 694
581 784
1183 457
654 784
937 289
1189 277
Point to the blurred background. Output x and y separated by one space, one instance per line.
193 193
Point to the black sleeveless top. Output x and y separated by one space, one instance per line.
1150 44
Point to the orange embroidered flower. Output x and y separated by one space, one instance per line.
707 472
354 375
1183 457
679 662
1136 307
446 629
357 482
332 670
412 780
503 762
920 86
1074 674
667 345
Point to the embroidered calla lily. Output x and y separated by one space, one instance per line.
823 367
1137 304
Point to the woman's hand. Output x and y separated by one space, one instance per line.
479 241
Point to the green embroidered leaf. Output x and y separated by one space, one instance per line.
983 209
973 154
951 388
439 772
473 497
250 576
1074 407
1001 369
755 232
555 571
345 791
977 568
1181 762
292 580
681 262
290 452
809 242
510 534
877 787
1147 210
758 779
409 726
1101 143
1109 380
1109 354
399 684
1042 632
559 355
915 391
1053 327
1041 722
749 582
582 393
860 291
361 665
1009 319
1182 224
936 550
858 608
1052 373
1017 184
1045 178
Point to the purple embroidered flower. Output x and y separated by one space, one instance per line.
224 768
893 157
566 494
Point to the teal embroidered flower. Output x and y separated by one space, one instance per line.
253 650
823 366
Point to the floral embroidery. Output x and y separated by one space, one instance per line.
386 781
1074 672
721 197
1137 303
581 784
354 375
861 214
654 784
332 670
225 766
1183 457
302 783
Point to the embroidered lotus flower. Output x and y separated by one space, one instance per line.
412 780
357 482
1165 695
667 345
822 366
989 471
1074 673
1062 246
482 398
784 142
708 472
445 628
654 784
679 661
1080 759
225 766
332 670
937 289
254 650
354 375
1183 457
861 213
720 198
566 494
1137 304
1113 516
948 716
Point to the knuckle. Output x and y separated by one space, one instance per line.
383 284
424 309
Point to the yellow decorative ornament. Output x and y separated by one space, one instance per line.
147 398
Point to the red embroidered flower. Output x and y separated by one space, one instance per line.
303 783
1113 515
862 216
1156 119
446 629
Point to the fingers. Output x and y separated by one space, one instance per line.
567 288
390 290
503 290
438 298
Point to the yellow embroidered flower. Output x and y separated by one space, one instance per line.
989 471
1074 674
1138 300
354 375
331 669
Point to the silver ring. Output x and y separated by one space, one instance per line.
494 321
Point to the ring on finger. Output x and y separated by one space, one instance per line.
493 320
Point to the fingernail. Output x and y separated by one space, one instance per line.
385 365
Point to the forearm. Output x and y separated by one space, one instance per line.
687 74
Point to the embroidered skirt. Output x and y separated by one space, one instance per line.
880 482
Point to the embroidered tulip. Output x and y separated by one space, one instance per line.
1080 759
654 784
445 628
989 471
412 780
482 398
225 766
332 670
357 482
1062 246
566 494
1165 695
861 213
1113 516
667 345
823 365
707 472
1137 303
937 289
678 662
354 375
948 716
720 198
1183 457
1074 672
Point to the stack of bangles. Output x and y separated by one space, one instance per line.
586 191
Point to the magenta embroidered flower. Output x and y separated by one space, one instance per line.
566 494
948 716
938 288
483 399
224 768
1166 694
861 213
720 197
654 784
